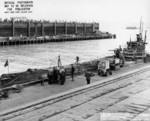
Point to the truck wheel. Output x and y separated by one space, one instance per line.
110 72
106 74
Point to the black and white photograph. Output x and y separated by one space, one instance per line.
74 60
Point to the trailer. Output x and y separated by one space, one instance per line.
107 64
116 62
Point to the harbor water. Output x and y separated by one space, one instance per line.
45 55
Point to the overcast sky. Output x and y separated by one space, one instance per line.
111 11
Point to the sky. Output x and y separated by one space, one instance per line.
103 11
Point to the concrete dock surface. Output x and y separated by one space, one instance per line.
125 100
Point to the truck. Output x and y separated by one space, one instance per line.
104 67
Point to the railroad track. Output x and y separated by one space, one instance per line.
22 110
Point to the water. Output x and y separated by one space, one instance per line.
44 55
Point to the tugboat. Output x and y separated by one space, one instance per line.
136 49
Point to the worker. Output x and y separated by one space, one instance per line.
120 48
72 72
117 53
77 60
88 77
42 80
62 76
55 75
138 37
50 76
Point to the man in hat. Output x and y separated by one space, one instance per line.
62 76
72 72
55 75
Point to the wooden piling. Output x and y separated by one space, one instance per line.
84 28
29 28
75 27
65 27
55 24
36 26
42 28
13 28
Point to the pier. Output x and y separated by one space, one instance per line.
18 32
21 41
126 94
30 28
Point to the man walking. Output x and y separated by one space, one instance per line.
62 76
55 75
72 72
77 60
50 76
88 77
